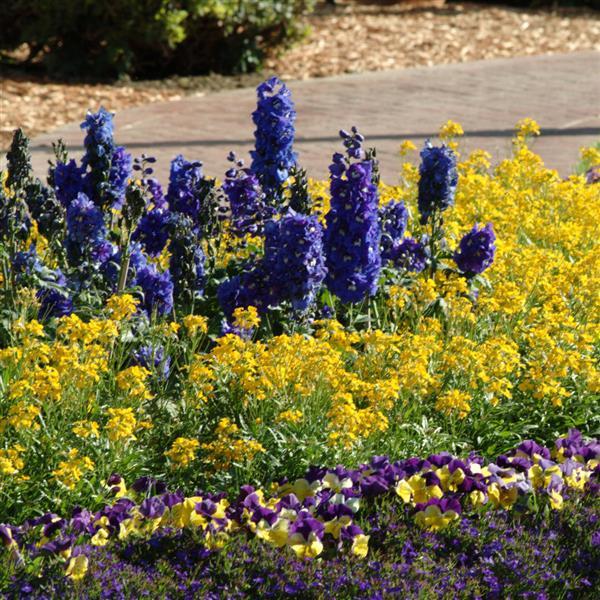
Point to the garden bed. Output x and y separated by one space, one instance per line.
220 339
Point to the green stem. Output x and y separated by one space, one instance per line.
125 259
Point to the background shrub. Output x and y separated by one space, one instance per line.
150 38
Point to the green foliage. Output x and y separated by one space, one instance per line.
91 38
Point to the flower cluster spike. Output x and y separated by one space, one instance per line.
274 117
353 232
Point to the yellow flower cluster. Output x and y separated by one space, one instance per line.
195 324
121 307
183 451
71 470
121 425
10 460
246 318
228 447
133 381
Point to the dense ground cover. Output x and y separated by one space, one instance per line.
215 335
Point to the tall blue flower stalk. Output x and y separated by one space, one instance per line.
247 208
394 220
353 232
437 181
294 259
157 290
273 156
110 166
182 191
291 270
86 241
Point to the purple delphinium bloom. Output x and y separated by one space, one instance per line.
476 250
294 259
156 192
111 268
273 156
352 233
410 254
157 290
153 230
68 181
110 166
247 208
249 288
86 232
26 263
183 181
394 219
154 358
120 171
438 180
53 303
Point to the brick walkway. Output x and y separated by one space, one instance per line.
561 92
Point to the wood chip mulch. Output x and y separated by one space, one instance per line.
350 38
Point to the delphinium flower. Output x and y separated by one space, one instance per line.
86 233
25 264
68 181
183 180
294 260
273 156
153 230
157 290
476 250
110 269
109 165
247 207
410 254
53 303
153 357
394 219
437 181
187 260
251 287
352 234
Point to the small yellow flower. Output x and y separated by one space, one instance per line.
246 318
407 146
121 425
590 155
183 451
85 429
71 470
290 416
195 324
450 130
121 307
527 128
454 401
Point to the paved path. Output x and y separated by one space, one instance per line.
561 92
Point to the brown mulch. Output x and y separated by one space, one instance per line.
353 37
360 37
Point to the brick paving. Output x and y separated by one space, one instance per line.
562 92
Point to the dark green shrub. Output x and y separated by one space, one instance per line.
149 38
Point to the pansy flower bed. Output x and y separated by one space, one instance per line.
173 358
